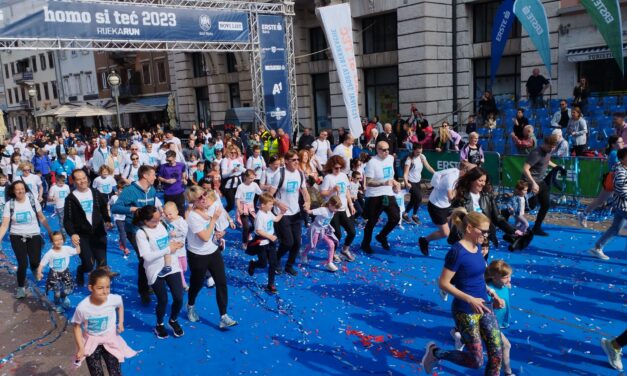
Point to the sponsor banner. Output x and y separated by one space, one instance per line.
274 73
533 18
607 18
338 28
501 29
133 22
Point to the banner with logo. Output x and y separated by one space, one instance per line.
338 28
501 29
274 72
607 18
132 22
533 18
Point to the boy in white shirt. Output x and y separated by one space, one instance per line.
57 194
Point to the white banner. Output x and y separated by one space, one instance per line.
338 28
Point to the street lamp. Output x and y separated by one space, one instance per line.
32 92
114 81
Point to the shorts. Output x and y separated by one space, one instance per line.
439 216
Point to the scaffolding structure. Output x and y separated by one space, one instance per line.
252 8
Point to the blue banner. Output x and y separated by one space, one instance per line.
533 18
501 29
132 22
274 72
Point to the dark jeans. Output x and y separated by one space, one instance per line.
93 251
27 252
229 195
142 281
178 199
289 232
579 149
267 256
536 101
543 197
341 219
161 292
246 221
198 266
374 207
359 207
415 198
94 363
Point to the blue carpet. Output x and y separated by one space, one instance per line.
375 315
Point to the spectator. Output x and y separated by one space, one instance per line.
562 116
487 105
471 125
562 148
448 139
305 139
620 126
581 92
536 85
578 129
369 126
284 142
527 142
520 121
390 138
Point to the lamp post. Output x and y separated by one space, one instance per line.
114 81
32 92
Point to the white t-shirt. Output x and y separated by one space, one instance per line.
178 233
256 164
32 181
264 221
415 168
116 217
153 159
246 193
223 220
380 170
346 153
474 197
323 217
288 193
59 194
331 181
78 161
24 220
321 148
130 173
268 175
97 320
442 182
152 248
104 185
58 261
194 243
230 168
2 197
86 199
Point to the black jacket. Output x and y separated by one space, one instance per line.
390 139
75 221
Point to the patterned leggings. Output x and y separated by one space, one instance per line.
94 363
473 327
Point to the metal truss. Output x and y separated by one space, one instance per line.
291 70
256 69
273 7
121 45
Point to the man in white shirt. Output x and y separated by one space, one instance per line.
345 150
322 147
380 196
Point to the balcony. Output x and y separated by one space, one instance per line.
127 91
26 105
23 77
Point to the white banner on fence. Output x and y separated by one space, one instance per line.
338 28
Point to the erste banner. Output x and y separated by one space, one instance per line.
132 22
338 28
501 29
274 72
532 16
607 17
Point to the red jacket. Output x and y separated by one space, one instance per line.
284 144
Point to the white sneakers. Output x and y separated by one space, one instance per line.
613 355
583 219
457 337
331 267
598 253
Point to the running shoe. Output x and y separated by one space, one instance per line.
177 331
331 267
383 241
20 293
251 268
583 219
271 289
66 303
406 218
291 271
415 219
191 314
303 258
457 337
598 253
348 255
164 271
429 361
210 282
160 331
424 245
613 355
226 322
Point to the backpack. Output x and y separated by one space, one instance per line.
146 233
282 179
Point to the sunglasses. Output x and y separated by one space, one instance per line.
384 150
134 159
293 159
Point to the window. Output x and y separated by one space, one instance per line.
50 60
506 81
55 95
202 105
379 33
146 74
317 44
161 76
89 87
17 98
234 95
483 18
603 75
10 95
322 102
382 93
198 65
67 87
24 96
6 70
13 68
33 61
231 62
42 61
46 93
38 87
103 80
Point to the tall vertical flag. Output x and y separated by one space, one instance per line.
533 18
606 16
338 28
501 28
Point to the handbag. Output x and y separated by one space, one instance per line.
608 181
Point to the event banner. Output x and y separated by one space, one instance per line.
533 18
133 22
606 16
274 72
501 28
338 28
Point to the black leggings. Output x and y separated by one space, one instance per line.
94 363
27 251
93 251
142 281
178 199
198 266
341 219
289 232
415 198
176 289
543 197
246 219
374 207
267 256
622 339
229 195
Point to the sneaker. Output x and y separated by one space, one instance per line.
161 332
20 293
251 268
367 249
383 241
303 258
336 258
406 218
424 245
186 288
429 361
291 271
415 219
164 271
278 270
613 355
583 219
331 267
271 289
348 255
539 232
226 322
191 314
457 337
66 303
177 331
210 282
598 253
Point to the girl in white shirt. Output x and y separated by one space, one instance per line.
105 183
59 278
321 230
245 203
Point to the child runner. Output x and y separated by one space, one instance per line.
498 277
196 176
400 201
57 194
59 278
265 249
96 334
357 193
245 203
120 219
177 227
412 174
321 230
516 207
104 183
4 184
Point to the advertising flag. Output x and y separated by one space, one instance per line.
533 18
501 28
606 16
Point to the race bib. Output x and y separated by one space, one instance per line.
63 194
249 196
23 217
291 187
58 265
387 173
97 325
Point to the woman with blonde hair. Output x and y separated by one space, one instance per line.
72 154
32 181
447 139
231 168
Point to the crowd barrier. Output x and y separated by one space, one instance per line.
583 175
